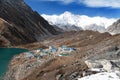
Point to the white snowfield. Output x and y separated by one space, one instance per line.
102 76
82 21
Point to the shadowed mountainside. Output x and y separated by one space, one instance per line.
23 24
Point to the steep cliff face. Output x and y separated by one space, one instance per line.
25 25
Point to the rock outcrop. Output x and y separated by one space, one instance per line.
22 23
4 30
109 61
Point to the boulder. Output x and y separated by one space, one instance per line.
107 65
93 64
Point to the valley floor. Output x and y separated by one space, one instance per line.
91 47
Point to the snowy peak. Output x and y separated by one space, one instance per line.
114 28
68 19
95 27
67 14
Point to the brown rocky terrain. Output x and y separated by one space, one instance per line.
3 30
32 46
22 25
87 43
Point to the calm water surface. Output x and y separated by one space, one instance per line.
5 56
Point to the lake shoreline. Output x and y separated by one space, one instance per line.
7 53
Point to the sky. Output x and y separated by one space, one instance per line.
103 8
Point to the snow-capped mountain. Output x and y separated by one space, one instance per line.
114 28
68 19
68 27
95 27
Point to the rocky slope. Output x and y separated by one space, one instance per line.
87 43
23 24
114 28
4 30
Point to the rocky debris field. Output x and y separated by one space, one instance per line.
96 53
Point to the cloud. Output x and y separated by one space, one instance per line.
92 3
63 1
68 1
101 3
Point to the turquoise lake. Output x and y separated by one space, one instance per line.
6 55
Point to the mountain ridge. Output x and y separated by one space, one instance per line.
26 25
81 21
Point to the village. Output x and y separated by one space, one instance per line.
51 51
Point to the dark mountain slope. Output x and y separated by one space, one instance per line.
26 25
